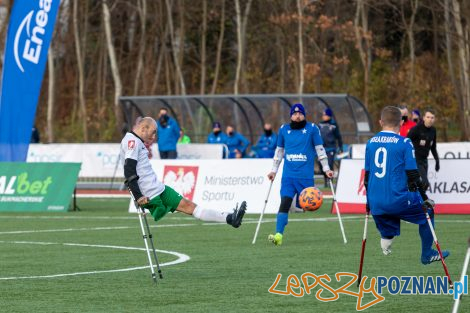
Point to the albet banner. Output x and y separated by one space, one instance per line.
30 187
29 35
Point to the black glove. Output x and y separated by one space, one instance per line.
438 167
429 204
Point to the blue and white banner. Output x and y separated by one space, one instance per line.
28 38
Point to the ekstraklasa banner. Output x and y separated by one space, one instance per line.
449 188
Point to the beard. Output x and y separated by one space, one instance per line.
298 125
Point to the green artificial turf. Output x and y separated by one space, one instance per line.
225 272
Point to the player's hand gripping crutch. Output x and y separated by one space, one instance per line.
363 249
462 277
141 213
337 211
262 213
429 204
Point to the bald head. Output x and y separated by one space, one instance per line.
146 129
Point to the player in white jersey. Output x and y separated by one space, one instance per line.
151 193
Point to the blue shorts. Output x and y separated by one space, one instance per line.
291 186
389 224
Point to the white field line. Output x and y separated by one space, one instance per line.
180 259
245 221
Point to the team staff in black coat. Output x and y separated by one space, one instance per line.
424 138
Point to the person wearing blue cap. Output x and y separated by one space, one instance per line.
298 143
331 136
217 136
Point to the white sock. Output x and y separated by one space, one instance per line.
386 245
209 215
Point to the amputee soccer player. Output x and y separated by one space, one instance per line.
394 188
298 144
152 194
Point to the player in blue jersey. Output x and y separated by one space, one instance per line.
394 188
298 144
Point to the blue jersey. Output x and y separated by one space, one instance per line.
299 149
388 157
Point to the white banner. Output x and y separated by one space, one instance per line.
101 159
445 150
449 188
220 184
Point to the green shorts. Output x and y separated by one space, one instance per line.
165 202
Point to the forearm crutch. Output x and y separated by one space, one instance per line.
141 213
262 213
363 249
436 243
337 211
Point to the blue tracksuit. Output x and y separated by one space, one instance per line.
236 142
266 146
168 136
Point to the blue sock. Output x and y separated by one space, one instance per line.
281 222
426 239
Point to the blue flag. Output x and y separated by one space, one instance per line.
28 38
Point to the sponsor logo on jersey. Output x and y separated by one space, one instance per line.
296 157
131 144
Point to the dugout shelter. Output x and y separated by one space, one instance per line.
248 113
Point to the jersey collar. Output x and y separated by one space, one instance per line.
136 136
389 132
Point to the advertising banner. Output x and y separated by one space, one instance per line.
445 150
220 184
102 160
28 38
32 187
449 188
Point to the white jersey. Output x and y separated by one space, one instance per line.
132 147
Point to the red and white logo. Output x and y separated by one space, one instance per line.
181 178
362 188
131 144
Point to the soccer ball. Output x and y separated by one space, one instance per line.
311 199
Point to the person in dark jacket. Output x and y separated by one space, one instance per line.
168 135
423 136
332 140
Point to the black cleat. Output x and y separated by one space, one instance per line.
235 218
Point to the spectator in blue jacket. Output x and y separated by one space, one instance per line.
267 143
168 135
236 143
217 136
332 141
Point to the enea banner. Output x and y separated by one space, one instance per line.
220 184
449 188
32 187
28 38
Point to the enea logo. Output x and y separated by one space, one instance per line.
29 38
182 179
20 185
